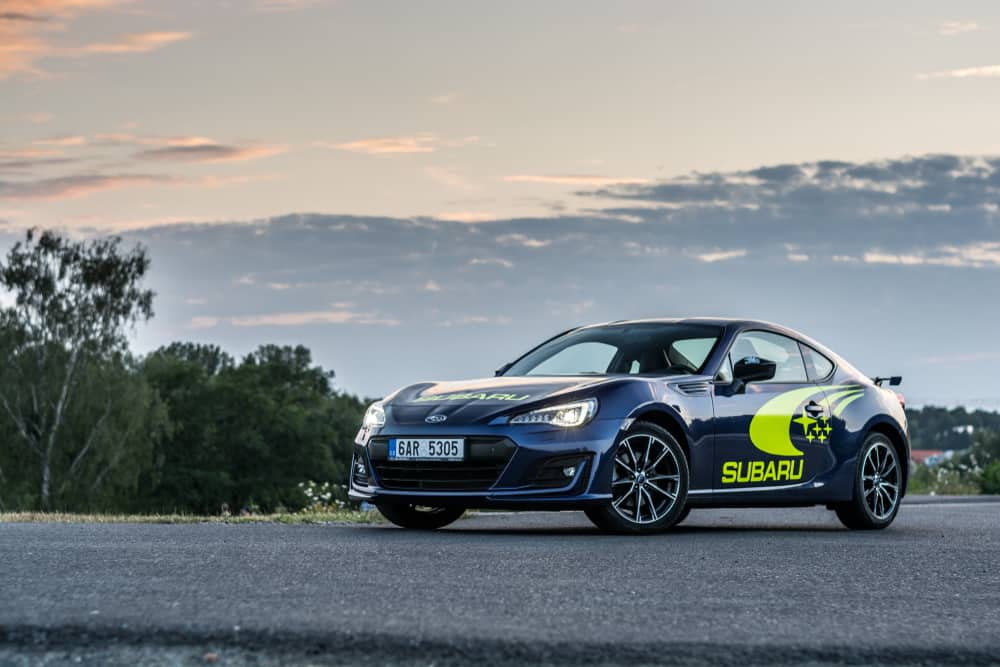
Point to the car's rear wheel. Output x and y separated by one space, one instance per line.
877 486
418 517
649 483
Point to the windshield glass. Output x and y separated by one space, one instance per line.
648 348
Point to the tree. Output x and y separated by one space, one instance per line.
65 356
246 433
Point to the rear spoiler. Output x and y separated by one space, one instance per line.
893 380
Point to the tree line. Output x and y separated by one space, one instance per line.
87 425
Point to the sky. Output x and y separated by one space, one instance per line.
424 190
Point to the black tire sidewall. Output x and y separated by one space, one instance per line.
859 490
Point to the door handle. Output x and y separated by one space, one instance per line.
814 408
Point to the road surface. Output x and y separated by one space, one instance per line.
736 586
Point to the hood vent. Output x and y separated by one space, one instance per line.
699 388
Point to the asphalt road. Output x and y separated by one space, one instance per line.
730 586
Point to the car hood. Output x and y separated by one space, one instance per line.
471 401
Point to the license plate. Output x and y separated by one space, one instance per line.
427 449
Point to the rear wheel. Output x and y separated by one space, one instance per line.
877 485
418 517
649 483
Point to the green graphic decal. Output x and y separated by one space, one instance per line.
472 397
770 428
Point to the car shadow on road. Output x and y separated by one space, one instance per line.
561 531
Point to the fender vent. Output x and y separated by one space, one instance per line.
692 388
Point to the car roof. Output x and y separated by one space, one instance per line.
709 321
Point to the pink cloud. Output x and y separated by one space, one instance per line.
575 179
423 143
25 26
142 42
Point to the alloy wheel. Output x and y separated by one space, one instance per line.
646 479
880 477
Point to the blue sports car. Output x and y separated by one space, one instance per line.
638 422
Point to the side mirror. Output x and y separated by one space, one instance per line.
754 369
503 369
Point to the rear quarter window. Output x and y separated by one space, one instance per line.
817 364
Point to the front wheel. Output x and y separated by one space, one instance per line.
649 483
418 517
877 485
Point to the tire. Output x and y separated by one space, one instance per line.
683 515
878 481
649 483
417 517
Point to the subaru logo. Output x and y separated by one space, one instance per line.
436 419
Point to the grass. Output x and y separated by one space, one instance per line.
337 516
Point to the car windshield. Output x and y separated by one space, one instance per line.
623 349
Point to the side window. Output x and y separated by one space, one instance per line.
818 365
589 357
781 350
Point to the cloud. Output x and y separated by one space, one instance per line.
74 140
77 186
491 261
432 286
470 217
21 16
30 163
467 320
297 319
720 255
25 27
522 240
952 28
575 179
986 71
421 143
974 255
27 153
205 150
417 143
142 42
80 185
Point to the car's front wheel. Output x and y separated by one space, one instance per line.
649 483
418 517
878 483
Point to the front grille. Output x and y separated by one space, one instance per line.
485 460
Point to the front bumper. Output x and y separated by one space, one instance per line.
509 466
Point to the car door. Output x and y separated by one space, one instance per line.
770 433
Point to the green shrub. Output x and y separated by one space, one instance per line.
990 480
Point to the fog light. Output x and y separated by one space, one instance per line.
569 471
359 468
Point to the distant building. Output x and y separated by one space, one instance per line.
930 457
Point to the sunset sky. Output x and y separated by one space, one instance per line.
420 190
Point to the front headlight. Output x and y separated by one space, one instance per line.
567 415
374 417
